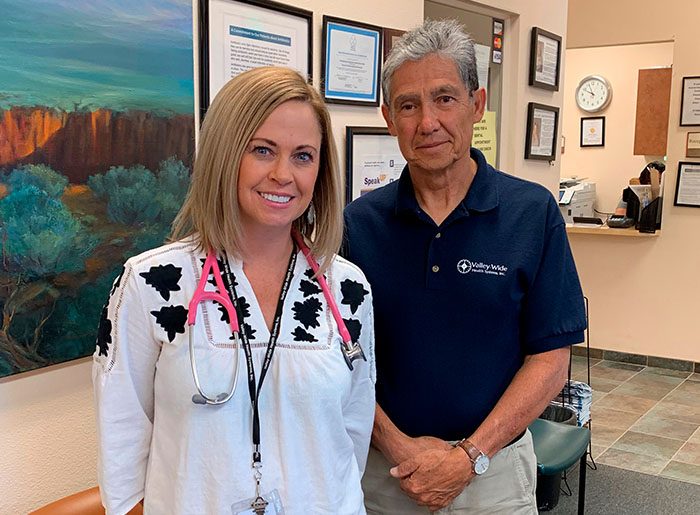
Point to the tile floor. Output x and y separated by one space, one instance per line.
644 418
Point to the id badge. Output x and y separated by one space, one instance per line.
274 506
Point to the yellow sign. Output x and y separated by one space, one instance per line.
484 137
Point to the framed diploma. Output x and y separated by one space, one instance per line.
373 159
692 144
593 131
545 57
541 133
238 35
688 185
690 101
351 64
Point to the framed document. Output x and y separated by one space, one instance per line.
373 159
545 59
541 133
593 131
690 101
238 35
390 36
688 185
692 145
351 63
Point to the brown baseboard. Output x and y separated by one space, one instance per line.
638 359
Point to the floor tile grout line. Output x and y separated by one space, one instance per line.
645 413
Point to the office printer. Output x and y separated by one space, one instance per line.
576 198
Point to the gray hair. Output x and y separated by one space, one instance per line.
447 38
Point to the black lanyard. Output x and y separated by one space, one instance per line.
274 334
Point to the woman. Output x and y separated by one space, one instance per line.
294 435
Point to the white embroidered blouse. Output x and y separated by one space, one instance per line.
184 458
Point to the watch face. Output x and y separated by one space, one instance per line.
481 464
593 94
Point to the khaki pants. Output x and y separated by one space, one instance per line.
507 488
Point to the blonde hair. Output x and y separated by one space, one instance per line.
211 211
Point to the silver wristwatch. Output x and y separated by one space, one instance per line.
480 462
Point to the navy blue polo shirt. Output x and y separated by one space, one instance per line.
458 306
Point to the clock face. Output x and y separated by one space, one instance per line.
593 94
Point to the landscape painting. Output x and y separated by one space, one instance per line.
96 143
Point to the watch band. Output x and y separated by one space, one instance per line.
473 452
480 462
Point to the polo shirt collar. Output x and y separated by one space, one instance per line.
482 195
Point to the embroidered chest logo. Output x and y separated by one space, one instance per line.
464 266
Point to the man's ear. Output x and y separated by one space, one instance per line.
387 118
479 98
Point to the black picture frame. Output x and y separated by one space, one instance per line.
599 139
265 7
693 119
541 132
331 96
679 198
386 144
388 36
541 60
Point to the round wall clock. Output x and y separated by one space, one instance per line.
593 93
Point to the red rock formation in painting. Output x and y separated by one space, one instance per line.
79 144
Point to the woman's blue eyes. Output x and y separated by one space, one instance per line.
304 157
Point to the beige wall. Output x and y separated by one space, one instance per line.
644 292
47 448
611 166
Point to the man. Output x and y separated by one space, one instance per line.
476 297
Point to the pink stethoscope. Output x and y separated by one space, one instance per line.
351 350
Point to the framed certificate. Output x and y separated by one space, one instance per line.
690 101
692 144
545 58
541 133
238 35
373 159
688 185
593 131
351 63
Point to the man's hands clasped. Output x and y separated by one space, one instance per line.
435 475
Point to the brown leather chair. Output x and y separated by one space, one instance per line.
87 502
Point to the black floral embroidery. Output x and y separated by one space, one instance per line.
104 333
309 288
248 330
353 294
354 328
172 319
303 336
164 278
307 312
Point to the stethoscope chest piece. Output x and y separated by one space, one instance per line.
352 351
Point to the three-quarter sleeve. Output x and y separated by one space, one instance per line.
123 376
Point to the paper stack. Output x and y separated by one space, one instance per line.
580 396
